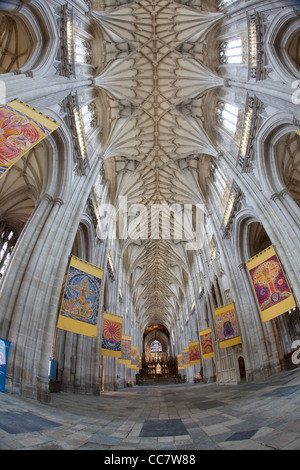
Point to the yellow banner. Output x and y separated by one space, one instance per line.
185 358
125 350
134 358
273 293
194 353
21 128
207 345
111 335
180 363
227 326
80 304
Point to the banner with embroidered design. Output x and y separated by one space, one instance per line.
206 341
125 350
134 358
227 326
21 128
272 290
180 362
4 350
111 335
185 358
79 311
194 353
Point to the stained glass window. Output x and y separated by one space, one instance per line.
155 346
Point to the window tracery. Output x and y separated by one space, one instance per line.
88 117
7 242
155 346
231 52
227 115
83 50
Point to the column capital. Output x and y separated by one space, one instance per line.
58 201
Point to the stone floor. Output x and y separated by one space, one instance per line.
263 415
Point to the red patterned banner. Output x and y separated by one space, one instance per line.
125 350
194 353
272 290
207 343
227 326
111 335
21 128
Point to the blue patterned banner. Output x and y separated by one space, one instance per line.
4 350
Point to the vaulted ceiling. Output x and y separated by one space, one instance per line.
157 151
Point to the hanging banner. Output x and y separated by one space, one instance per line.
194 353
125 350
4 350
79 311
111 335
185 358
207 345
227 326
179 360
272 290
134 357
21 128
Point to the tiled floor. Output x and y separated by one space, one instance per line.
255 416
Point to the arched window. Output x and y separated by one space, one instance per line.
88 116
83 50
7 243
155 346
228 116
231 52
224 3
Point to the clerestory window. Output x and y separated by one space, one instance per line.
7 243
83 51
228 115
231 52
88 116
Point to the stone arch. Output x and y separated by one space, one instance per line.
36 30
71 349
277 165
249 236
286 157
38 176
16 44
272 131
281 40
254 238
33 191
83 245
